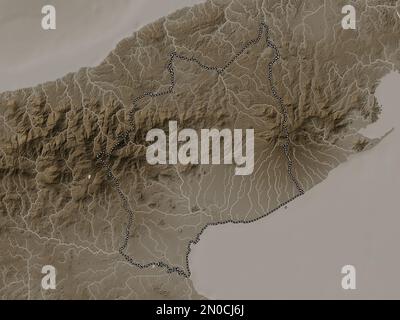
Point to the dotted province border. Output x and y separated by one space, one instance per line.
123 139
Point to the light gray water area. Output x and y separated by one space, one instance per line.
86 32
351 218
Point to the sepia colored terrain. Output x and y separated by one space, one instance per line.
57 205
